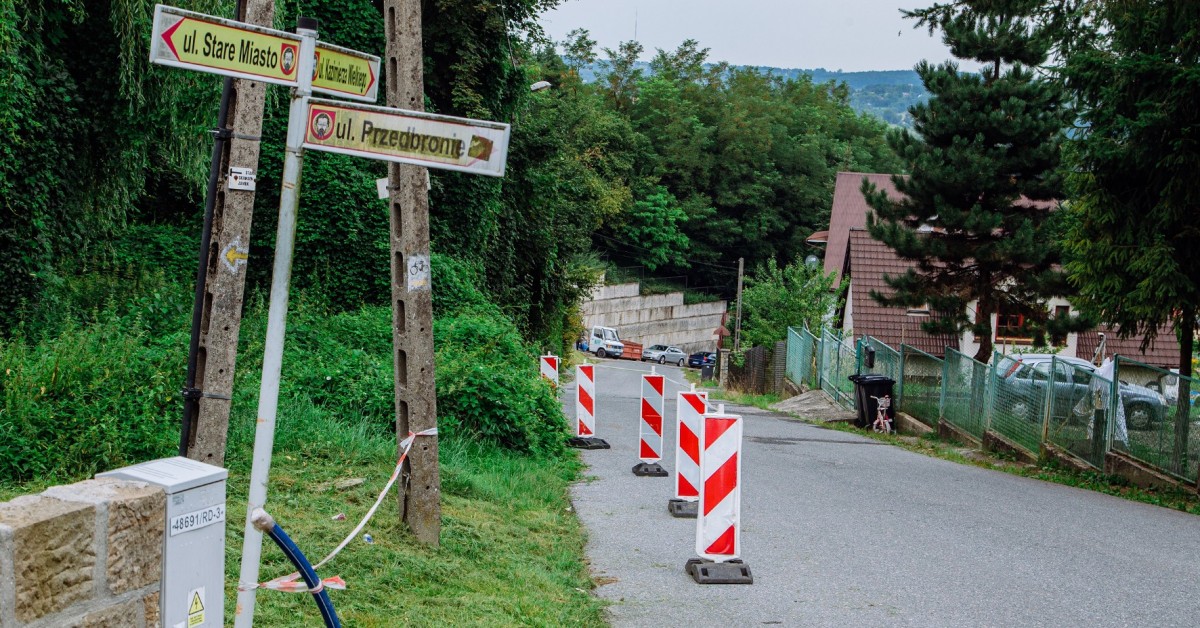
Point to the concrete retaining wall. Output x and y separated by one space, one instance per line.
87 554
655 319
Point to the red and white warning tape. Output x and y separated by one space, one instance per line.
290 584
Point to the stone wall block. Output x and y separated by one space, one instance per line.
127 615
151 609
54 553
136 520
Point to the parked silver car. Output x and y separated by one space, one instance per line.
1026 376
664 354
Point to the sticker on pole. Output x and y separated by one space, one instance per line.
412 137
205 43
418 272
195 602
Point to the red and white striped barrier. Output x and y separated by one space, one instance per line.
689 417
718 526
585 401
650 428
549 364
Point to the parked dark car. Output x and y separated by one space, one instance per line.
704 358
1023 379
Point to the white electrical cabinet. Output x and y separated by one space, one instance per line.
193 559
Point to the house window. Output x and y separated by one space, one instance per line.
1010 328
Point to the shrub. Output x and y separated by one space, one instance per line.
90 398
488 387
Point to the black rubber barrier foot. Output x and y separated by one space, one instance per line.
588 442
707 572
649 469
683 509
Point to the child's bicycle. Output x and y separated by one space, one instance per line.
883 419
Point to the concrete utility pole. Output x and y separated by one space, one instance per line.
737 330
227 256
412 305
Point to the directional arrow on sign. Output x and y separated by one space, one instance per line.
346 73
206 43
211 44
234 256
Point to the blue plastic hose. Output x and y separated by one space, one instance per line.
268 525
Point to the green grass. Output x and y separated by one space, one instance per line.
511 548
716 393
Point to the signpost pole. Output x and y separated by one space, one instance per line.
226 257
268 399
412 314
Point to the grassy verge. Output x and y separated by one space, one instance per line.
716 393
511 548
931 445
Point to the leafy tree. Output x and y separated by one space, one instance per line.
776 298
622 74
579 50
983 159
651 229
1135 159
85 137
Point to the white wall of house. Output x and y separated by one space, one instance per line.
848 318
969 344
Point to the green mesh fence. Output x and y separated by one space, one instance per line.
887 359
838 361
1019 393
919 391
801 356
964 393
1074 398
1161 414
814 374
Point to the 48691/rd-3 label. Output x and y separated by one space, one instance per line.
197 519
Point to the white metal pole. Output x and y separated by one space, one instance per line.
268 396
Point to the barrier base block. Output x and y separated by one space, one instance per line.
649 469
588 442
708 572
683 509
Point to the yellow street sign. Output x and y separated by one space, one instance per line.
210 44
346 73
413 137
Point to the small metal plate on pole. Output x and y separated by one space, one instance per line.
707 572
241 179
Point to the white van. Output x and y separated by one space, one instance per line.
605 342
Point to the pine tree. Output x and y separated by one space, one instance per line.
1136 225
983 154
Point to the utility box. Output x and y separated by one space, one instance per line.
193 567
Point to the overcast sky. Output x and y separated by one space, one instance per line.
850 35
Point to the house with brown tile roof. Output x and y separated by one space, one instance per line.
850 251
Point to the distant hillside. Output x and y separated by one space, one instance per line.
886 94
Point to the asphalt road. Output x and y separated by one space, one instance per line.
839 530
